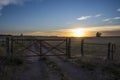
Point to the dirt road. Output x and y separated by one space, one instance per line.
38 70
74 72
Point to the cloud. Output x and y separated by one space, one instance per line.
111 19
49 33
4 3
106 20
104 28
83 18
116 18
87 17
118 9
98 15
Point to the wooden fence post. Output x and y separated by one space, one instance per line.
8 47
113 50
82 47
66 46
69 47
40 47
12 45
109 50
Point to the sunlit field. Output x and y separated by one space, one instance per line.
95 51
93 54
99 50
90 50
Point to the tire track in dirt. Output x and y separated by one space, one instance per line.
70 70
74 72
37 69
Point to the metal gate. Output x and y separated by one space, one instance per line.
42 46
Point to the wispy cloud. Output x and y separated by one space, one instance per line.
87 17
4 3
50 33
104 28
106 20
118 9
116 18
83 18
98 15
110 19
97 28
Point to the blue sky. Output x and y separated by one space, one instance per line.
45 16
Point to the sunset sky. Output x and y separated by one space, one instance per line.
60 17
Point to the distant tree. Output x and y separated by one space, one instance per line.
98 34
21 34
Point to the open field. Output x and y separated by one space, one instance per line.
97 48
88 64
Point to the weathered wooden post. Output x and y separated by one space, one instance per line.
8 47
109 51
69 47
12 45
66 47
40 47
82 47
113 49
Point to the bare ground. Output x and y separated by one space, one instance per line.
38 70
74 72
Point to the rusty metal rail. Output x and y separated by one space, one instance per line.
44 43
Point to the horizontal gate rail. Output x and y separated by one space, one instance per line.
38 39
42 55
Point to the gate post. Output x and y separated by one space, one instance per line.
109 50
40 47
8 47
69 47
12 45
113 50
66 47
82 47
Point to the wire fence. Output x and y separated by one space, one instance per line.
102 51
97 48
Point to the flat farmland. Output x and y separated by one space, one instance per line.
97 47
57 68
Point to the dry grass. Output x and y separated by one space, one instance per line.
91 51
54 68
8 66
94 65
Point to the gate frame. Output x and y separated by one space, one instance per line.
66 41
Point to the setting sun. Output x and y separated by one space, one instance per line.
78 32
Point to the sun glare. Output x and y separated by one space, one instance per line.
78 32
